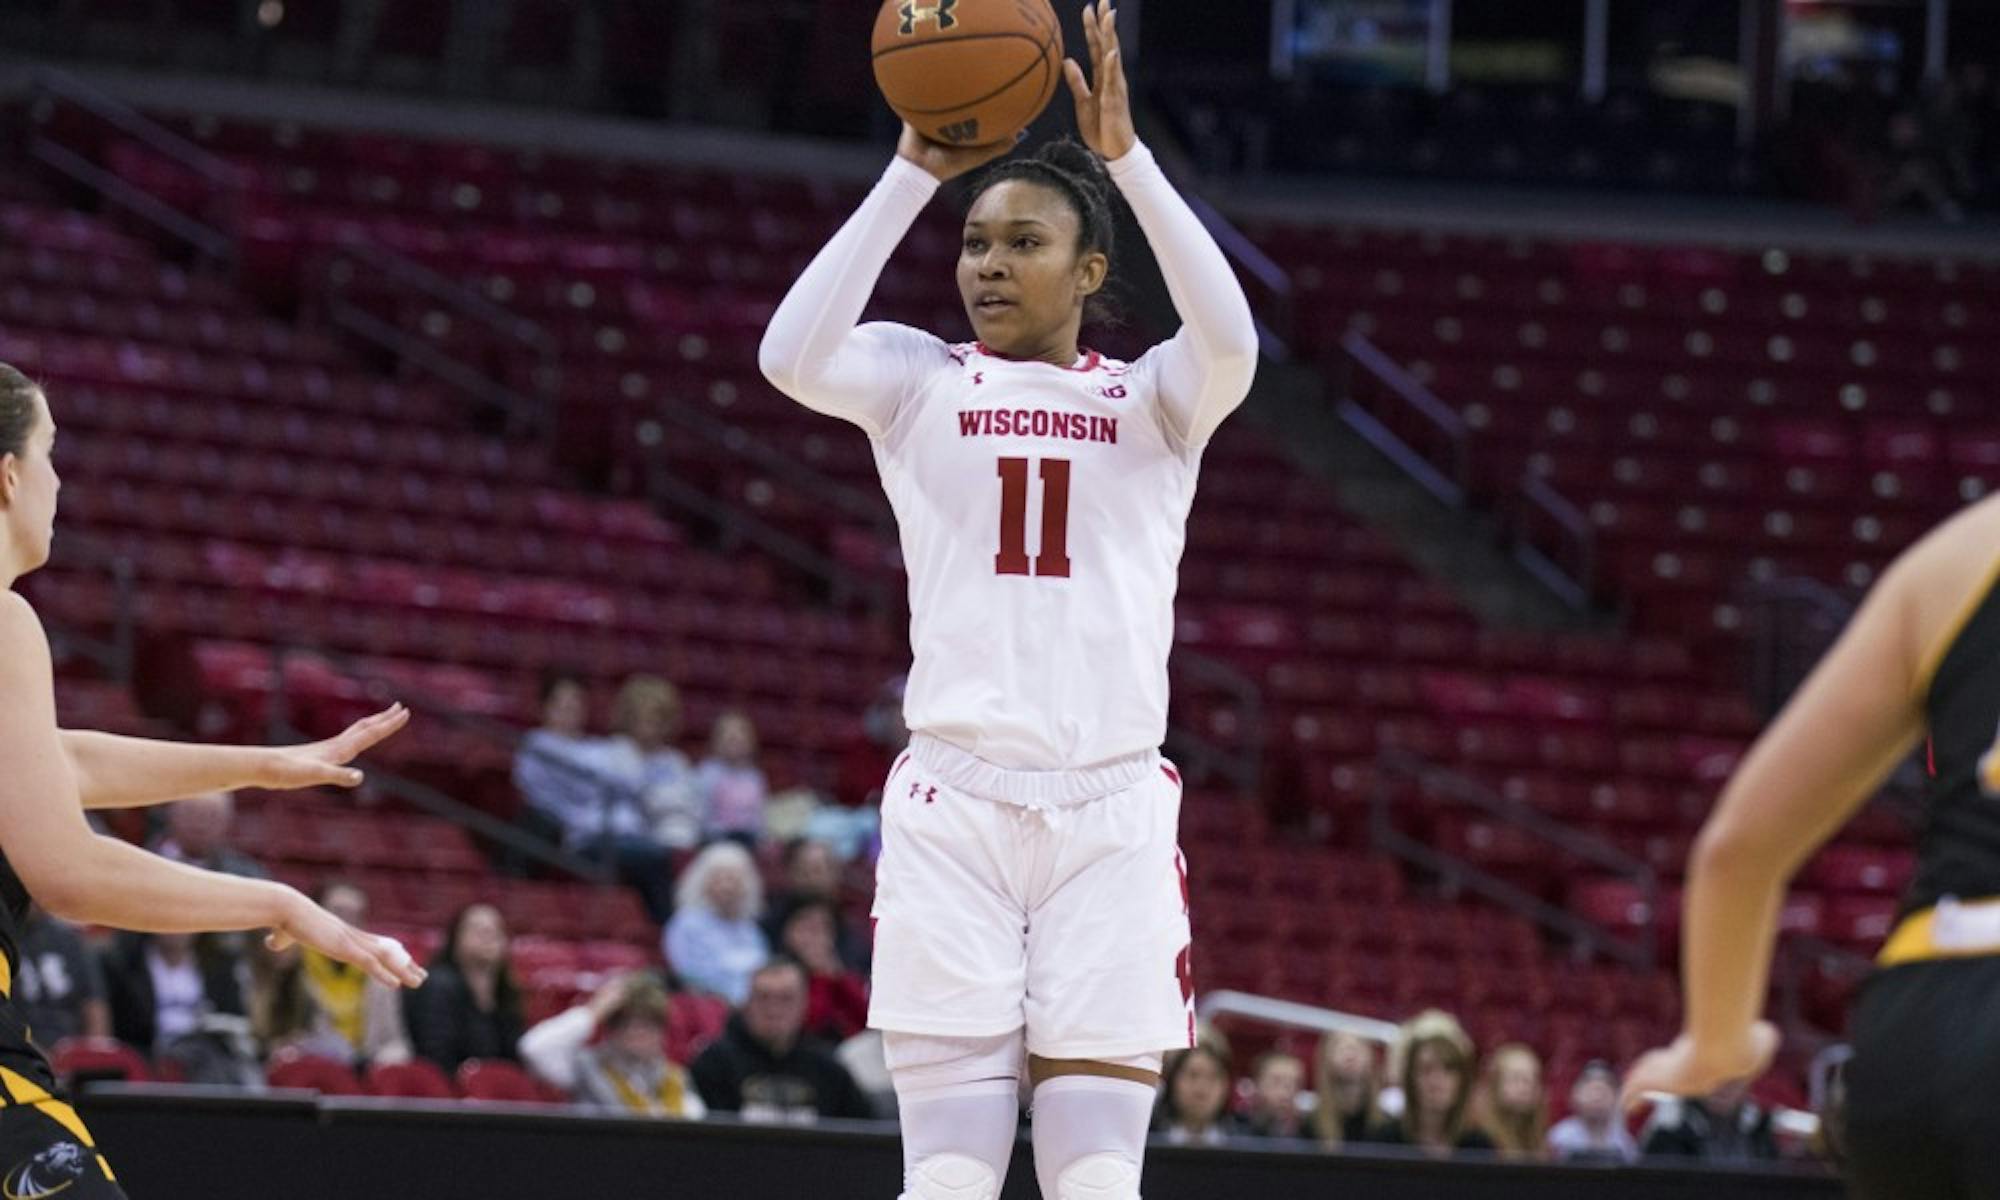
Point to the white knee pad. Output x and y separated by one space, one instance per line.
950 1177
1104 1176
959 1100
1090 1136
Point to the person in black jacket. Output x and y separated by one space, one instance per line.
469 1007
161 985
1723 1126
765 1069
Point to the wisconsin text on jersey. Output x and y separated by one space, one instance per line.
1037 422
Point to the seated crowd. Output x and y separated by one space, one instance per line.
751 1007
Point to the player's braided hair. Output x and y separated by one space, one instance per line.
1073 171
17 410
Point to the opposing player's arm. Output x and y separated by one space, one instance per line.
125 772
1842 734
815 350
89 879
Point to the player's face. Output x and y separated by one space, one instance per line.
1019 273
29 484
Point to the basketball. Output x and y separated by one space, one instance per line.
967 72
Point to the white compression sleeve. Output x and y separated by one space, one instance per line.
1204 371
813 350
959 1100
1090 1136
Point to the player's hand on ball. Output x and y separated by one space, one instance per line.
324 764
949 162
1103 103
384 958
1685 1069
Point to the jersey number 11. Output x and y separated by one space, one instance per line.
1013 557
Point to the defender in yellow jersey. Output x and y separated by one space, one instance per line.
1921 657
49 776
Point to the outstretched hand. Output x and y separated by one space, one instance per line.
1103 103
384 958
1685 1069
949 162
324 764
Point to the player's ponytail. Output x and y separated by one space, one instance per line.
17 410
1073 171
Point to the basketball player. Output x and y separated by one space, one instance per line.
1922 655
48 777
1030 893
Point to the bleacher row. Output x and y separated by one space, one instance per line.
656 281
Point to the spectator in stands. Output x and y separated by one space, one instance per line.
197 833
765 1068
640 754
714 943
1594 1132
161 986
1721 1127
365 1014
469 1007
1510 1105
1437 1057
1277 1080
732 785
284 1015
1349 1078
865 762
625 1071
812 875
59 986
1194 1098
837 1005
573 786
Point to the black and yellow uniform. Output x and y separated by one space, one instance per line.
1921 1117
44 1148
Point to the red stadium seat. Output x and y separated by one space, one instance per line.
294 1069
79 1060
499 1081
417 1080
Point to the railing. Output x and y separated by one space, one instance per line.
1289 1014
513 839
358 262
216 184
1458 873
1272 284
1554 541
1405 422
1202 757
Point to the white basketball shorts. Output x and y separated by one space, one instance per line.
1069 921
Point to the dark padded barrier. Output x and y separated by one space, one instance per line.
193 1144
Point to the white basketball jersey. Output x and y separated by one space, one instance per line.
1042 510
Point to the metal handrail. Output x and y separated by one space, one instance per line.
1450 480
1569 569
1290 1014
1458 872
279 728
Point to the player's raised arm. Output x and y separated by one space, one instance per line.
1204 371
127 772
814 350
83 877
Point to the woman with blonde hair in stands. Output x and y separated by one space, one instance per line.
1437 1060
1511 1105
1348 1078
641 755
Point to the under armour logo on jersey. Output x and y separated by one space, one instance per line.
913 13
929 794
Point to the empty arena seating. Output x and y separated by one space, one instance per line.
276 490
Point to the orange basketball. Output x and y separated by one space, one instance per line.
968 72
